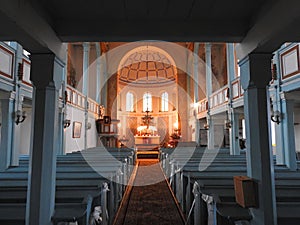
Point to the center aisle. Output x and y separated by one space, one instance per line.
149 200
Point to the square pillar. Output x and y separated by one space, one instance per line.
210 132
208 76
46 75
255 76
233 115
288 131
19 98
98 73
7 124
85 86
196 72
234 133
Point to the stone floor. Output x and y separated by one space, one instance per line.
150 200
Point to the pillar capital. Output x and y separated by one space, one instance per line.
256 70
196 48
290 96
207 45
86 46
46 70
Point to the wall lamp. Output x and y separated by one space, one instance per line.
67 123
20 116
276 117
89 125
227 123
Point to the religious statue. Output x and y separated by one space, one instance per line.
101 111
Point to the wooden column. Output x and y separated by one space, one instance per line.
46 75
288 130
210 122
7 137
255 76
196 89
233 115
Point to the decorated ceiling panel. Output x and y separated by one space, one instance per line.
147 65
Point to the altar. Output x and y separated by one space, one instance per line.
147 146
146 142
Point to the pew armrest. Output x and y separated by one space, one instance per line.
233 211
73 212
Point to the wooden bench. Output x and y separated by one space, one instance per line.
71 191
14 213
220 185
75 180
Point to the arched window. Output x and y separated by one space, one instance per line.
165 102
129 102
147 102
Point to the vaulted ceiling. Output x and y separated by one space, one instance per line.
260 25
147 66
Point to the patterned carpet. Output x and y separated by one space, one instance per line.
151 201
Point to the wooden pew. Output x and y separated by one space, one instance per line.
75 180
14 213
67 192
220 186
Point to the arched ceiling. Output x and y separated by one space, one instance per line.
147 66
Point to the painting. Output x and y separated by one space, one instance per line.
76 129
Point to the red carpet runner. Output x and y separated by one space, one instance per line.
150 200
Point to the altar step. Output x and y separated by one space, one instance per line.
148 154
148 198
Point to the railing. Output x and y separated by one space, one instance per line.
7 65
7 58
289 62
26 71
219 97
93 106
237 90
202 105
76 98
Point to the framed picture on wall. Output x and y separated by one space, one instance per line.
76 129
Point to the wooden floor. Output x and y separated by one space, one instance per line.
149 200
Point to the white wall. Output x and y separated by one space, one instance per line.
25 132
76 144
297 128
